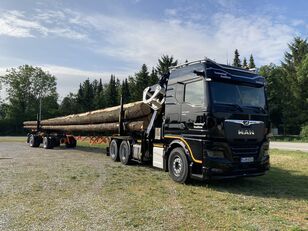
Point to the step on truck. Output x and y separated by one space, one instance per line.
207 121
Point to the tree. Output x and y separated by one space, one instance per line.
25 86
111 93
85 96
142 81
99 98
294 66
236 60
69 105
251 62
245 63
153 79
125 92
164 63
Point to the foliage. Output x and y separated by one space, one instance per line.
251 62
26 86
164 63
304 131
245 66
236 59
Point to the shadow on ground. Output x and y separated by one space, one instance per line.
277 183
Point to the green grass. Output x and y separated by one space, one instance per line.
82 189
289 139
13 139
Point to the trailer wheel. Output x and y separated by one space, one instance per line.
178 165
113 150
34 141
47 142
72 142
125 152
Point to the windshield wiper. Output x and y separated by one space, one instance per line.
260 109
238 107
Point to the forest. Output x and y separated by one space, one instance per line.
26 86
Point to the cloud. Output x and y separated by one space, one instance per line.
146 40
50 23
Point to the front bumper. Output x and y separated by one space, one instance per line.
230 167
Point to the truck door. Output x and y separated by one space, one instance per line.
192 109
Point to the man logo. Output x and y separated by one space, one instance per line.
246 132
246 123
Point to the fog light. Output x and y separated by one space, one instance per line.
215 153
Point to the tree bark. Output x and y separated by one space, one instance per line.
131 111
104 127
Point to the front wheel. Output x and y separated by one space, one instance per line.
178 165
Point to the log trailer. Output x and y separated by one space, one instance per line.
206 121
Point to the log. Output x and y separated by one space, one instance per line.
131 111
110 127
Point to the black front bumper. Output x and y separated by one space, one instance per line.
230 167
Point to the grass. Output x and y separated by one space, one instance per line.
290 138
82 189
13 139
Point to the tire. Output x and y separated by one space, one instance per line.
125 152
47 142
178 165
113 150
34 141
72 142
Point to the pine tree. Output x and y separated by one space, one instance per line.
125 91
142 81
251 62
245 66
236 60
164 63
153 77
111 93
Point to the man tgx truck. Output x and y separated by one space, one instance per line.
208 121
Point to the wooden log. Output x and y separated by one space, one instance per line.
104 127
131 111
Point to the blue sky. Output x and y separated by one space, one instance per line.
74 40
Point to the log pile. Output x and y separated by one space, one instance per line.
136 118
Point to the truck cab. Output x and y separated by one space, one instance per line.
215 122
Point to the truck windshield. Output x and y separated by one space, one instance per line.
238 95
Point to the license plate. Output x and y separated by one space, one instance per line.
247 159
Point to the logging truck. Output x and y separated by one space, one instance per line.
202 120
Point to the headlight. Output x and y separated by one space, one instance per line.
215 153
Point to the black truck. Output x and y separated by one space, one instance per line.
208 121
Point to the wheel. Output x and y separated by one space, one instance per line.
72 142
34 141
28 138
125 152
178 165
48 142
113 150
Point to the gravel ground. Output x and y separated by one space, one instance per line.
69 189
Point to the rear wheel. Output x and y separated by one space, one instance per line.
178 165
34 141
47 142
113 150
125 152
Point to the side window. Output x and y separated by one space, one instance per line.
194 93
179 95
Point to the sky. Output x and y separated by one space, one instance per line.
79 39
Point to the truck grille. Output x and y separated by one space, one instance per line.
247 151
